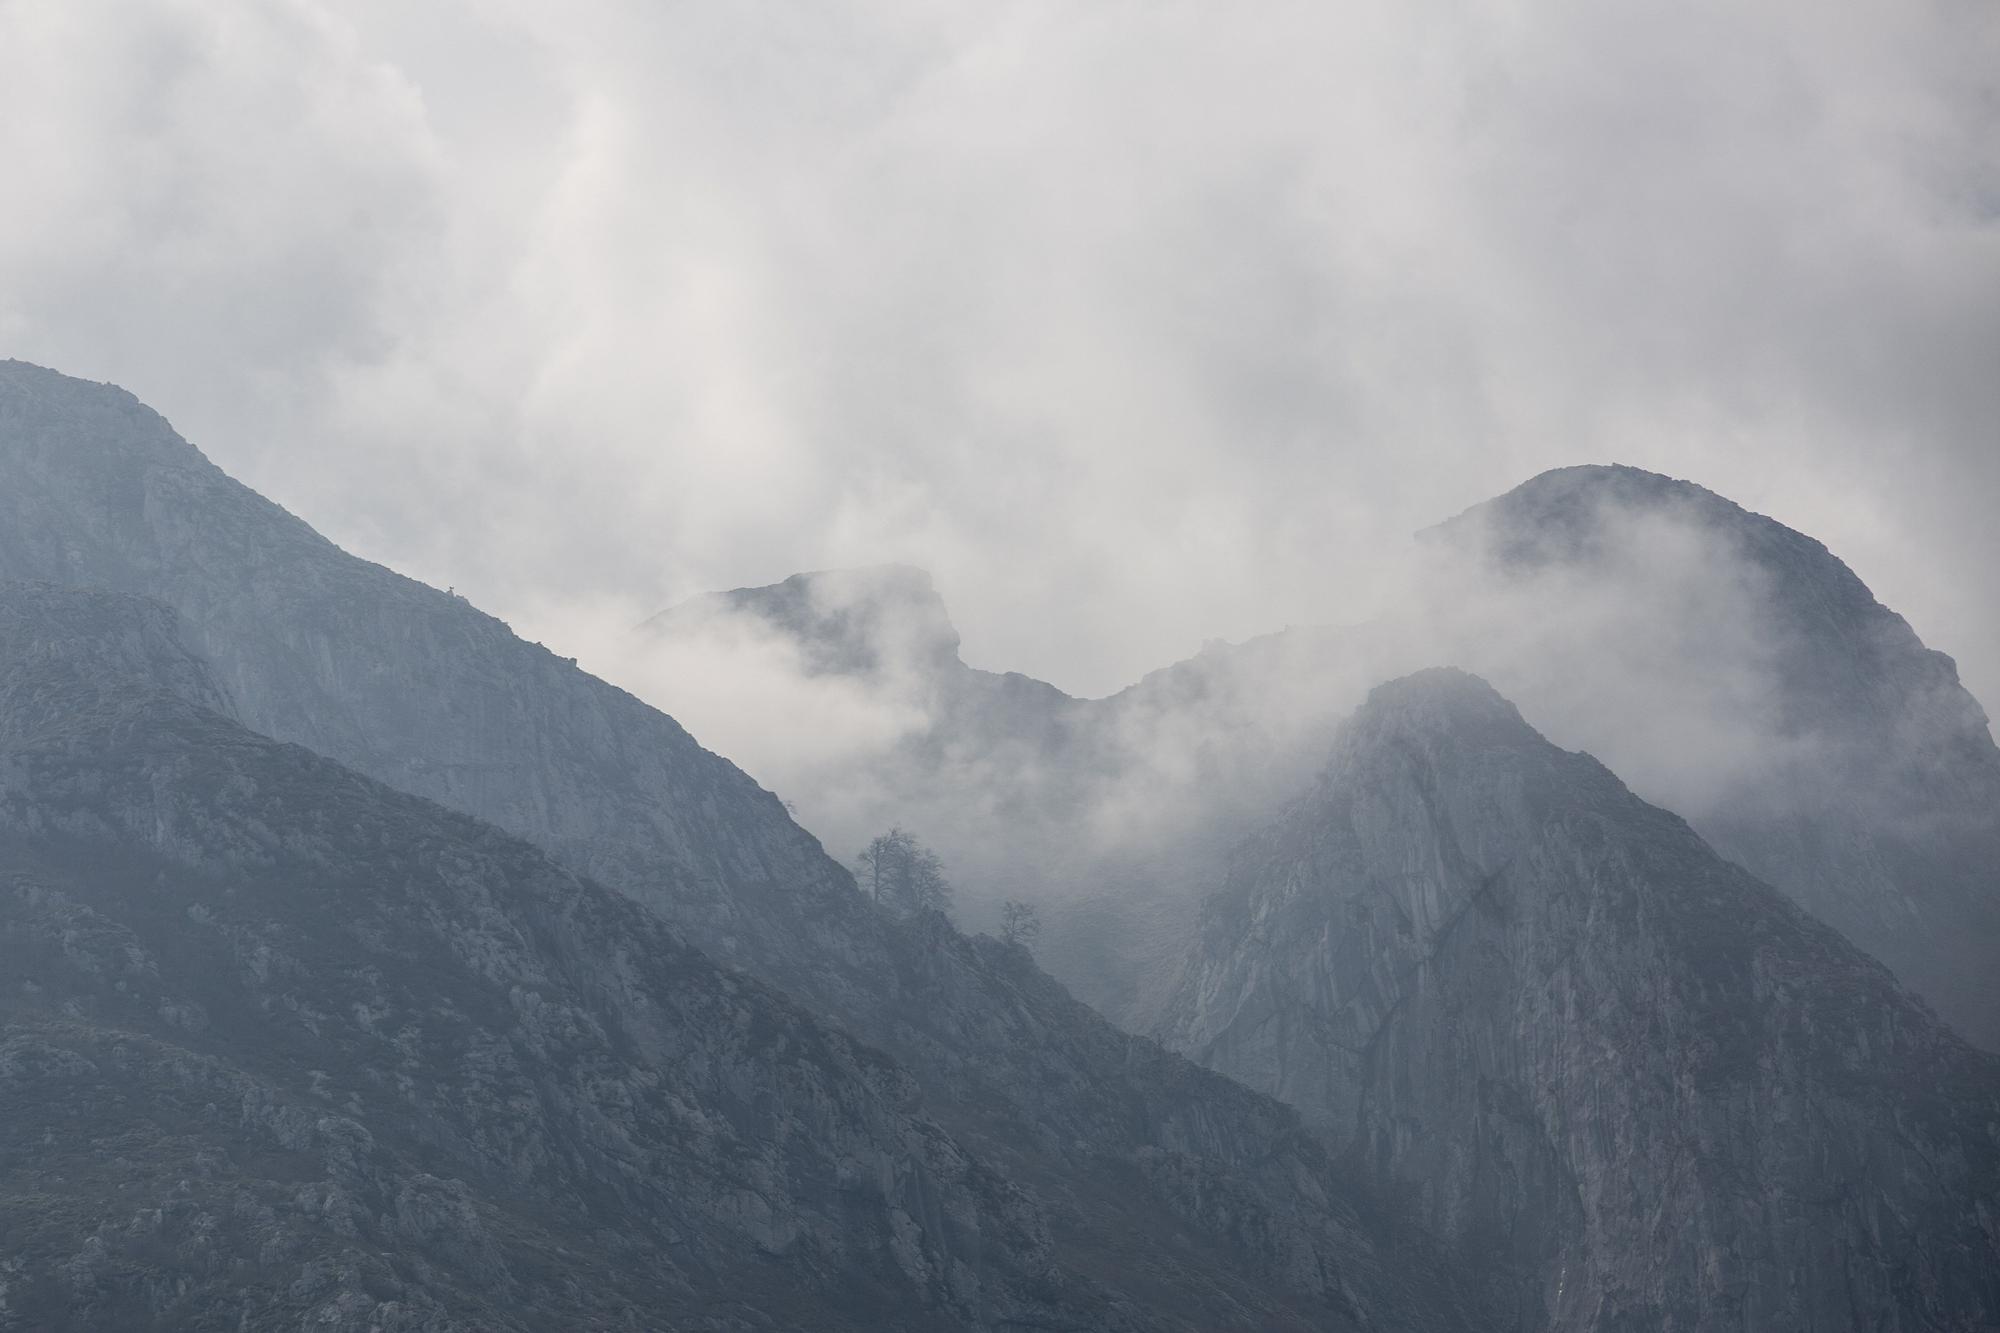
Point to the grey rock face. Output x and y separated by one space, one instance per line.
280 1044
1633 1085
1125 1147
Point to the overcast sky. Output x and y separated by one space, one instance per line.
1137 323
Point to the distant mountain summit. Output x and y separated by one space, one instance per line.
1728 667
1847 662
873 619
1845 763
1633 1085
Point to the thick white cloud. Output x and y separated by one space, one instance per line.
1138 323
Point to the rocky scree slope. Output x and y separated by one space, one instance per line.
1632 1085
280 1046
1192 1198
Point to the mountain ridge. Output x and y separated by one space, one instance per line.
1633 1085
1878 806
450 1060
414 688
1728 665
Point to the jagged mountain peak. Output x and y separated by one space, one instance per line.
861 620
1445 701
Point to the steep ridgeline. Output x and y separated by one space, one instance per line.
405 683
874 621
1635 1087
1188 1198
953 751
1725 665
1871 788
883 632
280 1046
1110 815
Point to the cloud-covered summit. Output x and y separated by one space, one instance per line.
1138 326
873 620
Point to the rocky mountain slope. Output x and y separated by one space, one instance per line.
400 681
1634 1086
1188 1197
280 1046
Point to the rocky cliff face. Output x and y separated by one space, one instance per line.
285 1047
1633 1085
1189 1200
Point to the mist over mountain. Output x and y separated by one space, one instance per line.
1185 1200
1738 672
1135 327
880 621
1008 667
1729 667
304 863
1109 815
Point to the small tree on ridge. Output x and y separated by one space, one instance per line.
903 875
1020 923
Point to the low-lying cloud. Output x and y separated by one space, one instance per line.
1716 666
1138 325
